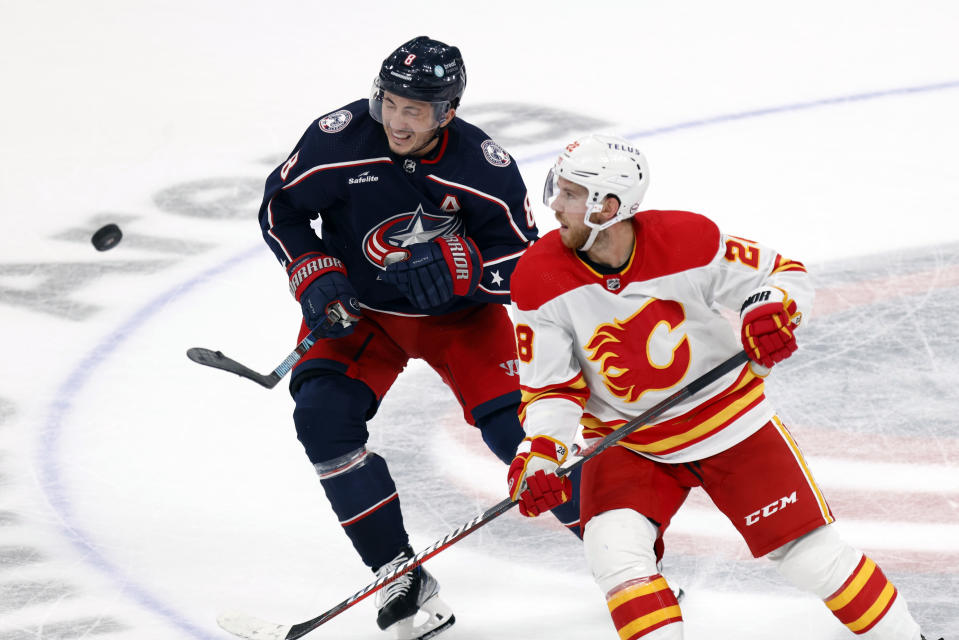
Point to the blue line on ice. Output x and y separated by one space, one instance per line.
52 483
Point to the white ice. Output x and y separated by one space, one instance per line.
141 494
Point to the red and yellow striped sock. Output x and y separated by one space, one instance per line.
864 598
641 606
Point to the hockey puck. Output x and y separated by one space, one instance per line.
106 237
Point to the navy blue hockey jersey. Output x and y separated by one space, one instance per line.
369 200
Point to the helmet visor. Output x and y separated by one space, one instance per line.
406 114
551 188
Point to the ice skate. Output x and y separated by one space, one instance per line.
410 606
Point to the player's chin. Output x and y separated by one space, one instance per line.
400 141
570 240
399 149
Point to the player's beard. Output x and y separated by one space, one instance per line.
574 237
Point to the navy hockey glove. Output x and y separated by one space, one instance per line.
433 272
318 282
769 321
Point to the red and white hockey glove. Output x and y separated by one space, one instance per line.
431 273
318 282
532 476
769 321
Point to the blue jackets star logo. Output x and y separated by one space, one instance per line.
405 229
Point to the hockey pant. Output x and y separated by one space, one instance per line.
620 551
358 482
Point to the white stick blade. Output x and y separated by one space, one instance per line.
244 626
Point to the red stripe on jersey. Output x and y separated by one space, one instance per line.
783 265
336 165
511 256
269 212
574 390
576 382
549 269
689 428
439 156
485 196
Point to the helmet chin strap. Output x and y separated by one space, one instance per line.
594 228
594 231
429 141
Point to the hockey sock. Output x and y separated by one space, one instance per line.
364 498
869 605
645 608
852 586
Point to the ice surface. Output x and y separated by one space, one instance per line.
140 494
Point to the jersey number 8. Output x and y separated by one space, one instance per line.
524 342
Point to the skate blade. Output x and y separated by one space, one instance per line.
437 619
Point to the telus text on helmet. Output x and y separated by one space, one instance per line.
622 147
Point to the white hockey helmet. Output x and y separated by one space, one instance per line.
607 166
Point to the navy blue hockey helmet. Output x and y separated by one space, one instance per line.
422 69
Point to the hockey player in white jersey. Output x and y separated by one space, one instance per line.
616 310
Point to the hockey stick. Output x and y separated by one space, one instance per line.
217 360
245 626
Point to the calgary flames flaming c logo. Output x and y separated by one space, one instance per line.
622 349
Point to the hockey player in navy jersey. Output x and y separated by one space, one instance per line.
420 218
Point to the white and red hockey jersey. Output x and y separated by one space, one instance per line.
598 349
